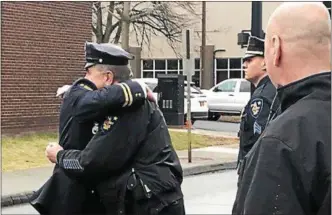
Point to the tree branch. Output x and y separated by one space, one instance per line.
118 35
109 25
147 18
99 24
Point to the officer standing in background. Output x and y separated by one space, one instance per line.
256 113
131 159
288 170
84 103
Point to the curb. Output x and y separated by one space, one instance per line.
23 198
197 170
15 199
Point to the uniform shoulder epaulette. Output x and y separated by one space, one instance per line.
127 93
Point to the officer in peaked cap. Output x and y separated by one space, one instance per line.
255 48
255 114
134 178
105 53
87 101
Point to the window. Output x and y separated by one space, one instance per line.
222 64
235 63
160 65
245 86
226 68
235 74
147 64
152 67
227 86
147 74
221 76
197 64
172 64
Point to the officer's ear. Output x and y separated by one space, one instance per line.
109 77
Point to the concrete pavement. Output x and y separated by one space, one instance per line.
17 185
203 194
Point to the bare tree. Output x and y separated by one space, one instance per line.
166 19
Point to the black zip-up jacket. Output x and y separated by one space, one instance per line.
132 151
83 105
288 171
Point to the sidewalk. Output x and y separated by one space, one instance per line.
17 185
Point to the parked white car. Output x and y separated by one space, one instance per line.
199 108
229 97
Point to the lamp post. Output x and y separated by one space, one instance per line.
256 25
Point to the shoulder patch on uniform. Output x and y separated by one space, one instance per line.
256 106
109 122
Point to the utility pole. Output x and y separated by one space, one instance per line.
125 25
203 43
188 69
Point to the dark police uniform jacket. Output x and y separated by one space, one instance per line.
82 106
255 115
288 171
133 158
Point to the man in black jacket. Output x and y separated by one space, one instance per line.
255 114
288 171
87 101
132 161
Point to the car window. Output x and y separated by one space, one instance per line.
245 86
228 86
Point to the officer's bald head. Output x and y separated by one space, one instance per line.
298 40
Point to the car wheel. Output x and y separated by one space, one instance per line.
213 116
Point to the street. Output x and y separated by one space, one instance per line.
228 127
204 194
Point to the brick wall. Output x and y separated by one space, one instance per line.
42 49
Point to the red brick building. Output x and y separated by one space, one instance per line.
42 48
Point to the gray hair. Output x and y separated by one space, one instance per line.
121 73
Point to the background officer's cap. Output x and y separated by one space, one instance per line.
105 53
255 48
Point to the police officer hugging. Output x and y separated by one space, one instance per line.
130 157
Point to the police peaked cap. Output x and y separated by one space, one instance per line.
255 48
105 53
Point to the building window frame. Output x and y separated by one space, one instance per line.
228 70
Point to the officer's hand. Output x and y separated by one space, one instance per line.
52 150
150 96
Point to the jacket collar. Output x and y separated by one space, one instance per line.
315 86
86 83
263 81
